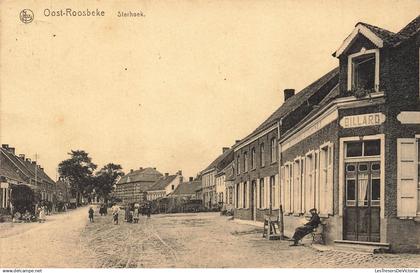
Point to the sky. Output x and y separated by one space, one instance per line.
168 89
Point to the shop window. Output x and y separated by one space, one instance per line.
372 147
376 192
363 148
351 192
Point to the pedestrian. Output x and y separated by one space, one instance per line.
91 214
115 210
149 210
302 231
136 213
41 216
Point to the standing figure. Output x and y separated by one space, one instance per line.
136 214
115 211
148 209
91 214
302 231
41 217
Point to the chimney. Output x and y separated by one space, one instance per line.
11 150
22 156
141 168
288 93
225 149
191 179
131 170
5 146
166 174
33 162
28 160
237 141
154 168
179 172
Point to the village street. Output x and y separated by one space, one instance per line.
171 240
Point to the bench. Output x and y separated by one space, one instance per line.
318 234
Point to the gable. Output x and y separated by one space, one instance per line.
359 30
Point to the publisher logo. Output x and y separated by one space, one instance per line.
26 16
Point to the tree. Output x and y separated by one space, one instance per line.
105 179
78 169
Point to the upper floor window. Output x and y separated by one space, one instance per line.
262 156
238 165
363 71
273 154
253 158
245 162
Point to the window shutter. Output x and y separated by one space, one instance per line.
302 186
406 178
330 180
282 188
266 192
258 193
277 191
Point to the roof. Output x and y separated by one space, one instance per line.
411 29
187 188
221 161
294 102
26 168
379 36
142 175
162 183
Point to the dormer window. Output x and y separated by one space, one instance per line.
363 71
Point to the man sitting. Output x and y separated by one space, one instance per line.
302 231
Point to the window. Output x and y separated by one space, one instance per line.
309 183
272 191
262 192
173 187
297 190
273 154
245 205
237 196
253 158
363 70
262 156
245 161
238 165
326 179
363 148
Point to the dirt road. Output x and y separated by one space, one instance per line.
55 243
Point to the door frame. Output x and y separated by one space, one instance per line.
341 177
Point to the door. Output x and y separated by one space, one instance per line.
362 201
253 201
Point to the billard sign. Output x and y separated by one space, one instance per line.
364 120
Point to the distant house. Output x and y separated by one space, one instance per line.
164 186
209 193
132 187
187 190
18 171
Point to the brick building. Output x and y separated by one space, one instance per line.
355 157
256 181
132 187
19 170
209 177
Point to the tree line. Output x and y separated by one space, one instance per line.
84 178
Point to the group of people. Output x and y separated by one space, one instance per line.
131 212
